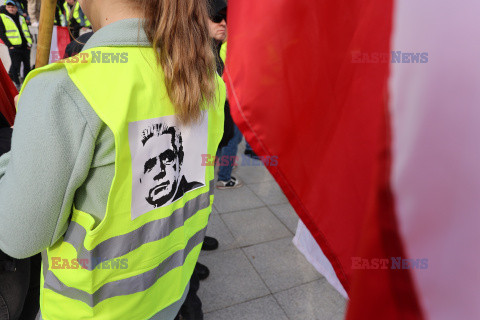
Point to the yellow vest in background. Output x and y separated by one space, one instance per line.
74 11
223 52
76 14
62 21
140 258
12 32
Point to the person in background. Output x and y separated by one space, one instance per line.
76 46
16 36
33 8
223 55
192 307
249 152
60 19
217 26
75 18
22 9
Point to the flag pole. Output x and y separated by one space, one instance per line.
45 29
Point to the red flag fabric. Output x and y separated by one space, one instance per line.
302 89
60 40
7 95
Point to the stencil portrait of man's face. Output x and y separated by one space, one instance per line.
165 162
161 169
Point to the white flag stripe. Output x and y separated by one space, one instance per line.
54 46
435 109
307 245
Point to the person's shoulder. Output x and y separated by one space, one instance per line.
48 80
54 91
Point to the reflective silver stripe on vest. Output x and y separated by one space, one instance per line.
120 245
13 37
127 286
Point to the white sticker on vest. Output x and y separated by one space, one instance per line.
166 161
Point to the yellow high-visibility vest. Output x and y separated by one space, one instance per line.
140 258
76 14
62 21
223 52
12 32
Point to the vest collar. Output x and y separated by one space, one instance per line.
128 32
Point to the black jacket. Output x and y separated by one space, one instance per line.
228 127
5 135
76 46
3 122
3 36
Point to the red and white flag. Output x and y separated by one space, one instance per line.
60 40
372 107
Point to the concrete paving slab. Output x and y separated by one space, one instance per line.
265 308
214 210
281 265
253 174
254 226
235 200
313 301
269 192
232 280
287 215
217 229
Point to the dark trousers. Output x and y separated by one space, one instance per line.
14 281
32 300
19 56
192 306
5 138
19 287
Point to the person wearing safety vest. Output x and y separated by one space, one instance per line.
223 52
16 36
60 19
218 32
21 6
106 175
75 18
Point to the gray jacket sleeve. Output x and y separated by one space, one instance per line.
52 148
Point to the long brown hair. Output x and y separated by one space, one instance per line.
178 30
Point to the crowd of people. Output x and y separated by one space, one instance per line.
16 19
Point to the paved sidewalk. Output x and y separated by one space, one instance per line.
257 273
